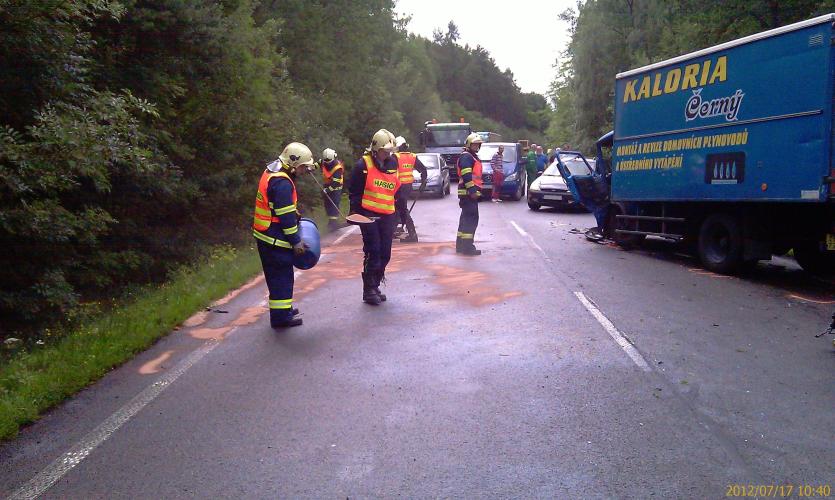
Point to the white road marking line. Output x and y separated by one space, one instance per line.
530 240
344 235
66 462
599 316
613 332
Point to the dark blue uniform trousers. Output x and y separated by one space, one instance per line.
278 271
331 200
376 244
467 224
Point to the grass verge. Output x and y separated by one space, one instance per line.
31 382
34 381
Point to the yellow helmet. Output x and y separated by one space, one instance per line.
296 154
329 154
383 139
473 138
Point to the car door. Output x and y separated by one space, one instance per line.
444 172
590 188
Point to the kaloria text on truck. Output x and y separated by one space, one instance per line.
446 139
728 150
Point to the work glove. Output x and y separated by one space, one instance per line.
299 249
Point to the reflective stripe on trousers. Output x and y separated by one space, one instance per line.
278 272
468 223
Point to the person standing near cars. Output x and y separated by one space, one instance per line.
469 189
530 165
407 163
497 165
541 160
275 227
332 179
372 190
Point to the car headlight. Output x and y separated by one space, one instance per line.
512 177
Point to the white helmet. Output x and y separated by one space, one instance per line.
400 141
296 154
383 139
473 138
329 154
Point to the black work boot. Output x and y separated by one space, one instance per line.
470 250
287 323
369 293
410 228
378 278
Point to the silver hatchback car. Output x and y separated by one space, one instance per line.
437 178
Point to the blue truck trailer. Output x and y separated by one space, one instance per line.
728 149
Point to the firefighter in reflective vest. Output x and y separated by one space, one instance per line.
407 163
332 174
276 230
469 189
372 190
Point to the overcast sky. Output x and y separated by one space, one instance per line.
523 35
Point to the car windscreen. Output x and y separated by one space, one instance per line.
441 137
429 161
485 154
552 170
575 164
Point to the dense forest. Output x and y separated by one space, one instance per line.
610 36
133 132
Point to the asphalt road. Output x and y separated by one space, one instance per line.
547 367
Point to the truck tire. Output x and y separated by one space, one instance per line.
720 244
533 206
813 260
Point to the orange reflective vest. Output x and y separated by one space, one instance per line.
265 212
406 167
380 187
327 174
475 170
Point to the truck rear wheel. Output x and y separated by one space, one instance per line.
720 243
814 260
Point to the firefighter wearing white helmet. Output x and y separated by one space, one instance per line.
333 172
275 227
469 190
382 139
407 163
372 190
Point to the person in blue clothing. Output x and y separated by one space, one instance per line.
373 191
541 160
469 189
276 230
332 179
